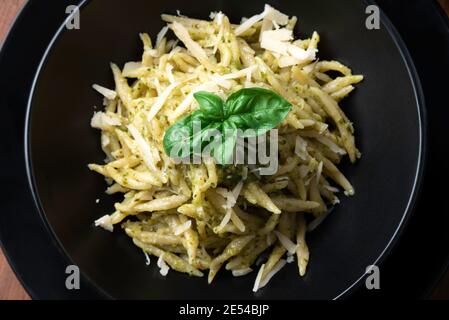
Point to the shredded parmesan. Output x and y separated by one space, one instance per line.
225 220
331 145
248 23
195 49
185 104
101 120
276 16
234 195
107 93
287 61
105 222
218 16
161 101
183 228
170 75
286 242
161 35
247 72
133 70
164 268
269 12
279 42
301 148
144 147
147 258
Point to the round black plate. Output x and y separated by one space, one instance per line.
356 234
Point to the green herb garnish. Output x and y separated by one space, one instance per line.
248 112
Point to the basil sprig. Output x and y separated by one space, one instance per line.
252 110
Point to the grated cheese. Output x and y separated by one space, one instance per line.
164 268
331 145
161 35
161 99
185 104
195 49
234 195
107 93
144 147
225 220
247 72
170 75
133 70
101 120
269 12
183 228
301 148
286 242
279 42
105 222
147 258
258 278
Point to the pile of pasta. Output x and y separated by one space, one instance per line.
199 218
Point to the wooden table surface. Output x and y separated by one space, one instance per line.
10 287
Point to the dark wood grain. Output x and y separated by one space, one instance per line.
10 287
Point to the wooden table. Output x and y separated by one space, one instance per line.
10 287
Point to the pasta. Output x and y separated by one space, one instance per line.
204 217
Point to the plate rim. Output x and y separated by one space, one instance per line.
419 172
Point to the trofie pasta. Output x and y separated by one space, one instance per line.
198 218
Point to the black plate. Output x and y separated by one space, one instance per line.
356 234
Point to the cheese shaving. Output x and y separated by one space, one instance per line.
286 242
105 222
183 228
107 93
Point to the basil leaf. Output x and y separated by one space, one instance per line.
211 105
256 108
225 150
178 138
201 139
253 110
